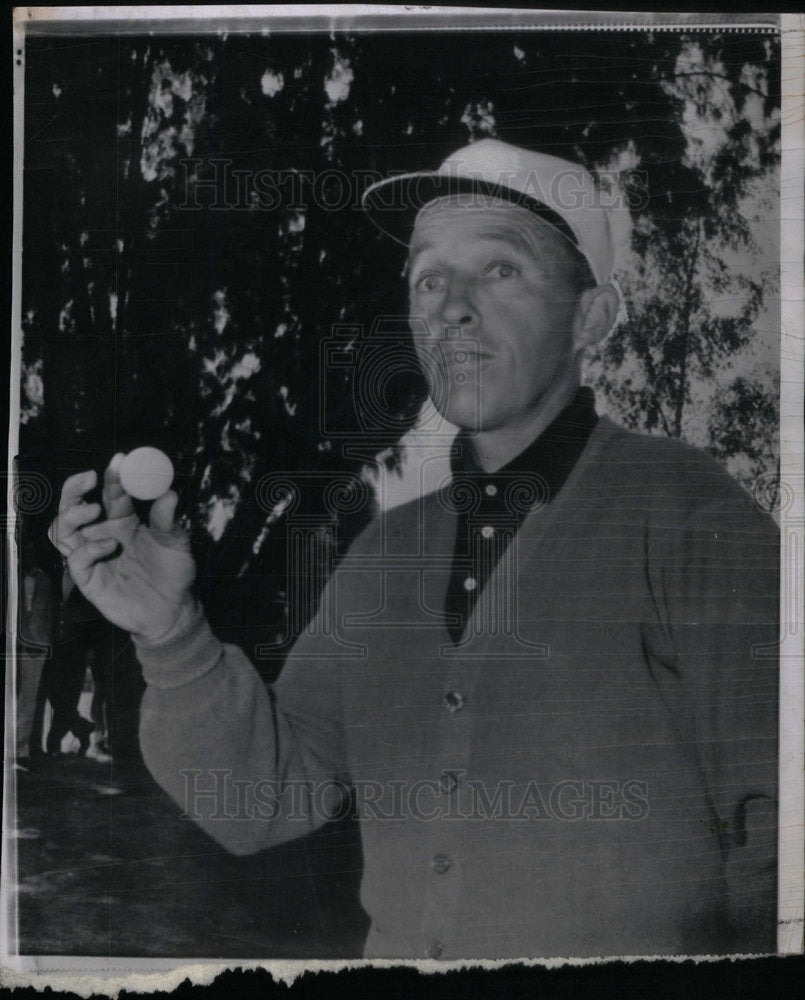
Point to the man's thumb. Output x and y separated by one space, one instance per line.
162 514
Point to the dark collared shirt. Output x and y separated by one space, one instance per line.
493 505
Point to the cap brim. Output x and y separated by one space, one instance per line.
393 204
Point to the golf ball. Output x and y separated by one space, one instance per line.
146 473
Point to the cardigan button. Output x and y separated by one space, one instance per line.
435 949
454 700
441 864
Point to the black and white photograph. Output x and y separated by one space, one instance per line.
405 488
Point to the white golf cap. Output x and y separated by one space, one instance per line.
561 193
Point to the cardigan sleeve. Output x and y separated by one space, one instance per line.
717 585
220 742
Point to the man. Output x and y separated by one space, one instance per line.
545 683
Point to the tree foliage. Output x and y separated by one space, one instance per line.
703 285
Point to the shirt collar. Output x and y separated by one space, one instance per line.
551 455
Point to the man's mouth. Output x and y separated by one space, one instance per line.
450 359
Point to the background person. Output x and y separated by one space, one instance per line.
38 614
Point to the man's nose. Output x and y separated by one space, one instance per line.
458 308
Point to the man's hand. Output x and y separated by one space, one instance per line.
137 576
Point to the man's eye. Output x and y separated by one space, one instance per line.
428 282
501 269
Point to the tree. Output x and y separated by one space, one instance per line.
702 289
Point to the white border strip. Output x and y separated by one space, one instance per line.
9 928
346 17
791 877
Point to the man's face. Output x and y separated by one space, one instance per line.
494 289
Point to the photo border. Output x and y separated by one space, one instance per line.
112 974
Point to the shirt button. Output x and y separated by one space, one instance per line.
487 531
441 864
435 949
470 583
454 701
491 490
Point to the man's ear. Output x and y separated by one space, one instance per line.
595 316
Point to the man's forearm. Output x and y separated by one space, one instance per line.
212 738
